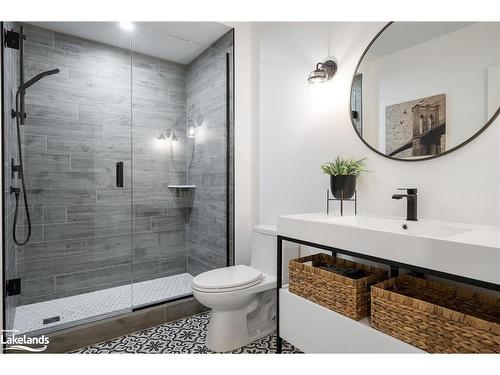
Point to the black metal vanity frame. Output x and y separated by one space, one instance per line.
395 266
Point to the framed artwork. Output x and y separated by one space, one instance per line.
416 128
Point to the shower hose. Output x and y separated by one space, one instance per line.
16 190
173 157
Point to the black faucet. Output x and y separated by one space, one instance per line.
411 202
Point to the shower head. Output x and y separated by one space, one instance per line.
37 78
21 91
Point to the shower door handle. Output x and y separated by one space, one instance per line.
119 174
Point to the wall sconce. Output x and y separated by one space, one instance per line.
324 72
168 134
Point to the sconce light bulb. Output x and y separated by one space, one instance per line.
191 131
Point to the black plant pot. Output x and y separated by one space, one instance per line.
343 187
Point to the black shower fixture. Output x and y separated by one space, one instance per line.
20 116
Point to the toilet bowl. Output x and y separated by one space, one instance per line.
242 298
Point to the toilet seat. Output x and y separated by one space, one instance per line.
227 279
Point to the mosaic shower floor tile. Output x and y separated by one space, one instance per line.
86 306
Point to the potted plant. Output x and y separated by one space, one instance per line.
343 174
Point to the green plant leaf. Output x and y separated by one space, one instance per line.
344 167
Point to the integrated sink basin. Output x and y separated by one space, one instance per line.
414 228
469 251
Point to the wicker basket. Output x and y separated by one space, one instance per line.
350 297
436 317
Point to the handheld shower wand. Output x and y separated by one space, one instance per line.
21 91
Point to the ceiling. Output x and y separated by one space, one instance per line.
402 35
180 42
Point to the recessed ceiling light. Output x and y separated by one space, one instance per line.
129 26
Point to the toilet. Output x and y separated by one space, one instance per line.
242 298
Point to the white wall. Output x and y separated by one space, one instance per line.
302 126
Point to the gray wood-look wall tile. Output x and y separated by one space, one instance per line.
60 127
48 250
72 264
42 287
35 162
195 266
32 143
36 232
113 274
35 215
54 214
145 270
101 212
51 110
58 197
96 228
174 264
88 147
214 258
38 35
206 97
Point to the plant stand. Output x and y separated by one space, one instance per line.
330 198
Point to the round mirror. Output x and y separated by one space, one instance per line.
424 89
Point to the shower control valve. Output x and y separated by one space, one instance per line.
15 190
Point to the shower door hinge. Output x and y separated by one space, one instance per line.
11 39
13 287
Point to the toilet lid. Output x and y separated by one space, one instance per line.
229 277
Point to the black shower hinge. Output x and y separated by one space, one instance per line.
11 39
13 287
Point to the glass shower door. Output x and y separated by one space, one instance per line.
159 144
181 142
76 148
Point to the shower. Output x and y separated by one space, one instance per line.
18 168
118 171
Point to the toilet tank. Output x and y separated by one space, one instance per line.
263 255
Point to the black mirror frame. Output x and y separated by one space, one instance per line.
488 123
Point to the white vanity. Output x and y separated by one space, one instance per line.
465 253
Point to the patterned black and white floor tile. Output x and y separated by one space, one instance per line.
182 336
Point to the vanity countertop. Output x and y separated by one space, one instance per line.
466 250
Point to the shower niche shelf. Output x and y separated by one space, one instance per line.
182 189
